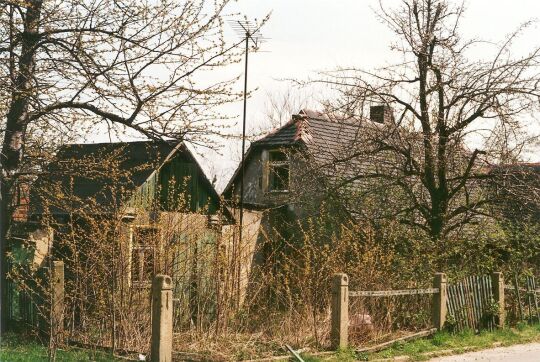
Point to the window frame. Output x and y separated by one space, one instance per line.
143 250
272 165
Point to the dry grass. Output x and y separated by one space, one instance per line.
258 341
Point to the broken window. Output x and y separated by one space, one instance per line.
143 255
278 171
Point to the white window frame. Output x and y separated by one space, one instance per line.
273 164
139 281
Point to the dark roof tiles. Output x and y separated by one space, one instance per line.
89 171
326 139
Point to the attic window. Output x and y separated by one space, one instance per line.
143 255
278 171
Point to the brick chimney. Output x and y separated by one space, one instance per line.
380 113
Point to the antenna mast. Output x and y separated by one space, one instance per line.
250 32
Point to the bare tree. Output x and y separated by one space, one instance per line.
440 98
67 66
280 106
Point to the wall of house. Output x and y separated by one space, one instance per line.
21 201
183 187
31 243
264 232
178 186
271 218
241 255
177 233
253 179
256 181
186 248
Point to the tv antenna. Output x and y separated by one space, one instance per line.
251 33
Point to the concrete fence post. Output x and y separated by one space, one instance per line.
339 333
497 284
439 301
162 319
57 302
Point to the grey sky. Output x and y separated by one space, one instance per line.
307 36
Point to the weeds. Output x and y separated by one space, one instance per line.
443 343
14 348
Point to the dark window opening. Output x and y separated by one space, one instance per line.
278 171
380 113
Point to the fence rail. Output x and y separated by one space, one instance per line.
513 289
340 304
473 302
390 293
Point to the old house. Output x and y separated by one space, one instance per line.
291 171
124 211
312 148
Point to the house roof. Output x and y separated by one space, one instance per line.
294 131
326 139
88 172
519 166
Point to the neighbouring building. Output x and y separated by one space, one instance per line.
291 171
147 206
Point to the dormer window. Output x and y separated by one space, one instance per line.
278 171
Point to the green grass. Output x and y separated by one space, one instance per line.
460 341
14 348
444 341
345 355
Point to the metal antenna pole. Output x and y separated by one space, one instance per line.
243 140
249 32
241 221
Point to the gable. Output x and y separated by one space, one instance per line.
322 139
98 178
178 185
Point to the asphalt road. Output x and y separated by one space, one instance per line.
519 353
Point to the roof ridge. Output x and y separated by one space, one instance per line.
289 123
122 142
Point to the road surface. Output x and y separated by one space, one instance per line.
520 353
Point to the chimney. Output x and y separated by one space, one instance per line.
380 113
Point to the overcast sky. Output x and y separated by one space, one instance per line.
311 35
307 36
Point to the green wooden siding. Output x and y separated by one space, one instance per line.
177 186
144 196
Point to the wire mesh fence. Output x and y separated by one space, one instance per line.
379 318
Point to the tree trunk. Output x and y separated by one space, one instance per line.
4 224
13 143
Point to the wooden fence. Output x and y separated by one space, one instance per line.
38 307
472 305
525 299
475 302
